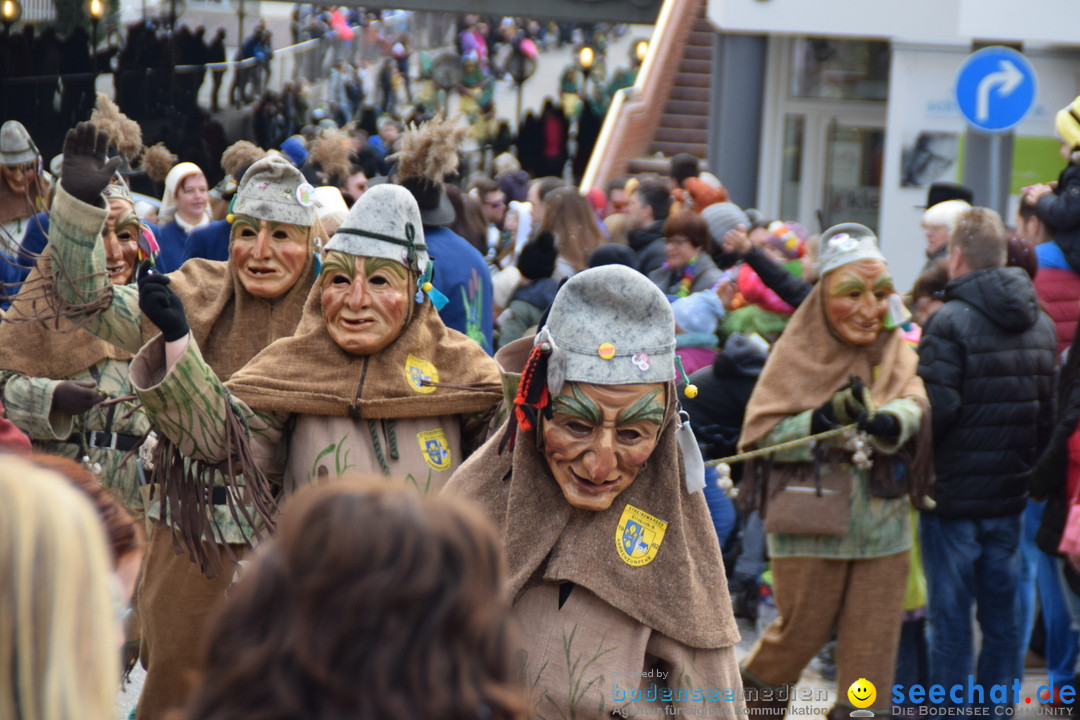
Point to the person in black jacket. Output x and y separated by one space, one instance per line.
649 205
716 415
789 288
987 358
1058 204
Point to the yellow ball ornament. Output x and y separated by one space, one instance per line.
427 287
229 218
690 391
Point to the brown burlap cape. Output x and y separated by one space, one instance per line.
682 593
36 340
309 374
810 362
230 325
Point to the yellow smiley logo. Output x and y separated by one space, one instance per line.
862 693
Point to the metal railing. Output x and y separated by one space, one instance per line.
635 112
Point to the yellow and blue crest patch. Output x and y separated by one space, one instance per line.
435 448
638 536
417 371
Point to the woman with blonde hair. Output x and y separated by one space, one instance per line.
59 653
570 218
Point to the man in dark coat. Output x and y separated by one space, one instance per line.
987 358
649 205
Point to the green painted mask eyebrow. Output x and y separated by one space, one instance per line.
373 265
852 282
336 261
245 220
126 220
272 225
883 283
647 409
579 405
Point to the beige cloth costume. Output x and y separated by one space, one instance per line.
314 410
852 583
621 627
36 355
235 325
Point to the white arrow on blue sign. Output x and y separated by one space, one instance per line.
995 88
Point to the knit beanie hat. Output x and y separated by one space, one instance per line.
537 259
789 238
846 243
295 149
16 147
722 217
612 254
384 223
273 189
698 313
329 201
1067 123
609 325
176 177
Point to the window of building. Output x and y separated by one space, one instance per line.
834 69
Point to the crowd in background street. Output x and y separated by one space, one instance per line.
354 289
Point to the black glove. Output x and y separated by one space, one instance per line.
843 408
86 172
882 424
849 402
74 398
159 303
823 418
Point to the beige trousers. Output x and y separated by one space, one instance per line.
863 600
174 601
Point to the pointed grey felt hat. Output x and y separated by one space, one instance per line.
273 189
16 146
609 325
846 243
384 223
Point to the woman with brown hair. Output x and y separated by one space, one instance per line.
689 268
370 602
569 217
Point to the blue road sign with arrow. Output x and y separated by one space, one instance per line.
995 88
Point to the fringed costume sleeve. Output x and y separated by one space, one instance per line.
81 280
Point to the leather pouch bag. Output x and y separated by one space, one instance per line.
808 502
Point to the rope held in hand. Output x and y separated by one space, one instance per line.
797 442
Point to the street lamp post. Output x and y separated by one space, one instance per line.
641 49
96 10
10 12
586 59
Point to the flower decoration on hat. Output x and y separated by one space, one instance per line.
788 238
